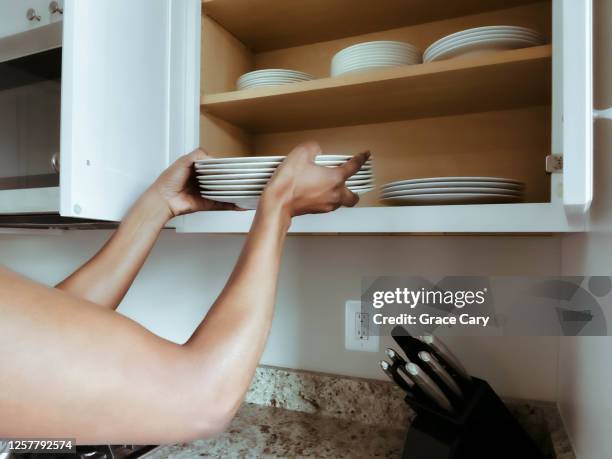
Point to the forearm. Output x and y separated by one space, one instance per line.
228 345
106 278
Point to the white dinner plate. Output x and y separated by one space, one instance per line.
473 40
451 179
362 56
244 202
376 45
386 194
232 174
482 46
237 165
461 40
459 185
249 201
532 35
275 73
260 186
263 159
479 31
452 198
254 170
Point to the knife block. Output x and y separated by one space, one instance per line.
483 428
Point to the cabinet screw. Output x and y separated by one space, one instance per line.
32 15
54 7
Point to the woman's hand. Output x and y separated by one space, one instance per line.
301 187
178 188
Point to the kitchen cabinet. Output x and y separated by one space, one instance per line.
125 104
498 114
146 81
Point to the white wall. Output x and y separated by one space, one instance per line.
185 273
585 372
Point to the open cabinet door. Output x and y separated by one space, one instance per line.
577 106
125 70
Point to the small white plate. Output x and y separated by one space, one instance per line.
253 170
231 174
482 46
366 166
451 190
474 38
451 179
455 185
452 198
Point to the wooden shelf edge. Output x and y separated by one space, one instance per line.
378 76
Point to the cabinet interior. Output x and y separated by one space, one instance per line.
483 115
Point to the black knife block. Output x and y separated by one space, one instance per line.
484 428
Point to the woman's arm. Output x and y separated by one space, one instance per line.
71 369
106 278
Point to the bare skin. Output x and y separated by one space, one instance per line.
71 368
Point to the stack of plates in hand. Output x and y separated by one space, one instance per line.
373 55
242 180
452 190
482 39
271 77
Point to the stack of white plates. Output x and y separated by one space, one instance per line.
271 77
452 190
373 55
482 39
242 180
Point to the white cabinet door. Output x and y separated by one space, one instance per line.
576 54
124 75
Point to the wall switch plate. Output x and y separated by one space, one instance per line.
357 325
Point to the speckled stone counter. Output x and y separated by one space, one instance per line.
291 414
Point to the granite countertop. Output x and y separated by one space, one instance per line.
268 432
291 414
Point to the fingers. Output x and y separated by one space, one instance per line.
352 166
308 150
195 155
348 198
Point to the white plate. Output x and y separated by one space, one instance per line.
452 198
253 170
376 55
237 177
263 159
450 179
476 34
493 185
462 41
468 41
274 164
233 182
274 72
482 46
232 174
452 190
377 45
236 185
278 80
486 30
264 84
244 202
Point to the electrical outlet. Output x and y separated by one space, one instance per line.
357 335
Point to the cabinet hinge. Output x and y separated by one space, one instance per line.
554 164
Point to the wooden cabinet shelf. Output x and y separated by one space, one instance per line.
504 80
270 24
